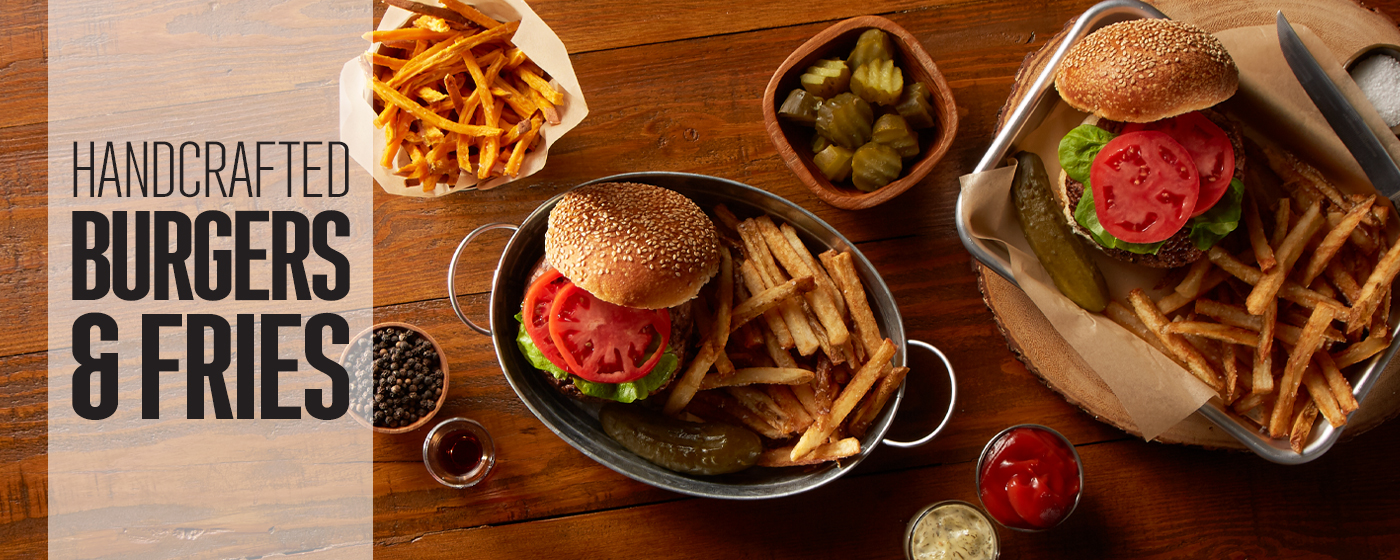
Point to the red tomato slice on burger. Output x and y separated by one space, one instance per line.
1210 148
536 313
607 343
1145 186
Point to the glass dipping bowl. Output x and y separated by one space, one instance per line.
927 512
454 431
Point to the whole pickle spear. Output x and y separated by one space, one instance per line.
1060 251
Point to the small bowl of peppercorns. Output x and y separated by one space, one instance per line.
398 377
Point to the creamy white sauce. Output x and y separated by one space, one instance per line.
953 532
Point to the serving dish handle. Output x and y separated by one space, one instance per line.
952 399
452 272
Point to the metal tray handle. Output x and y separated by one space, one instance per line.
452 272
952 399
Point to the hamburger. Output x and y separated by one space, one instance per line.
1153 175
607 312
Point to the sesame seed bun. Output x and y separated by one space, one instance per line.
632 244
1146 70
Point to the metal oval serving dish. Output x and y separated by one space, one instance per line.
576 422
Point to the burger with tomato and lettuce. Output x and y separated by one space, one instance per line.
607 313
1153 175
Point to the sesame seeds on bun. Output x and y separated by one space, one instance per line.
632 244
1146 70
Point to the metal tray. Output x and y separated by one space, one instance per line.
1026 117
576 422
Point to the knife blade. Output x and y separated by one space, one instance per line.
1340 114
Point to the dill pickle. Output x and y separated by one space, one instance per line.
891 130
873 44
878 81
874 165
1061 252
846 120
914 106
800 107
819 143
826 78
834 162
685 447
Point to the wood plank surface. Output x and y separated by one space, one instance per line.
675 86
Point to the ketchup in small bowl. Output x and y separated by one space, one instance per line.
1029 478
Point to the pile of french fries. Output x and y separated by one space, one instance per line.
1271 324
775 299
453 93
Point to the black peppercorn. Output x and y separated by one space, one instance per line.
402 369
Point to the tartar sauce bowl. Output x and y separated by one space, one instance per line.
951 529
992 446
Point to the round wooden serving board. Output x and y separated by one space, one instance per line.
1347 28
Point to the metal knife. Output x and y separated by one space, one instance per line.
1345 121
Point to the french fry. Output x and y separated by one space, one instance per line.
1372 292
1287 254
1333 241
1191 284
724 301
758 402
1216 331
1322 396
1232 372
849 397
1258 240
1156 322
1299 358
782 456
777 325
824 281
1128 320
1176 300
1264 352
1377 341
792 407
722 406
1302 426
819 300
843 269
689 382
1341 389
1283 216
769 299
756 375
875 401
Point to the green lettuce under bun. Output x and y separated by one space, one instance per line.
1077 152
620 392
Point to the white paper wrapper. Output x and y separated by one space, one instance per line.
534 37
1154 391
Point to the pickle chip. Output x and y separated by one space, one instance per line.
892 130
800 107
914 106
873 44
874 165
826 78
834 162
846 120
878 81
819 143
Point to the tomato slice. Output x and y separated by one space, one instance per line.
1210 148
1145 186
607 343
536 313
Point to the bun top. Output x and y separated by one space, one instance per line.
1146 70
632 244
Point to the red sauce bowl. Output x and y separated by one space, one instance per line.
1029 478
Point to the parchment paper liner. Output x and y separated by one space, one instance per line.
534 37
1154 391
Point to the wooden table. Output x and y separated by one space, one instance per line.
676 86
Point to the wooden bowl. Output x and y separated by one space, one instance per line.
839 39
442 361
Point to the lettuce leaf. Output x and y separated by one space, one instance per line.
1078 149
620 392
1209 228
